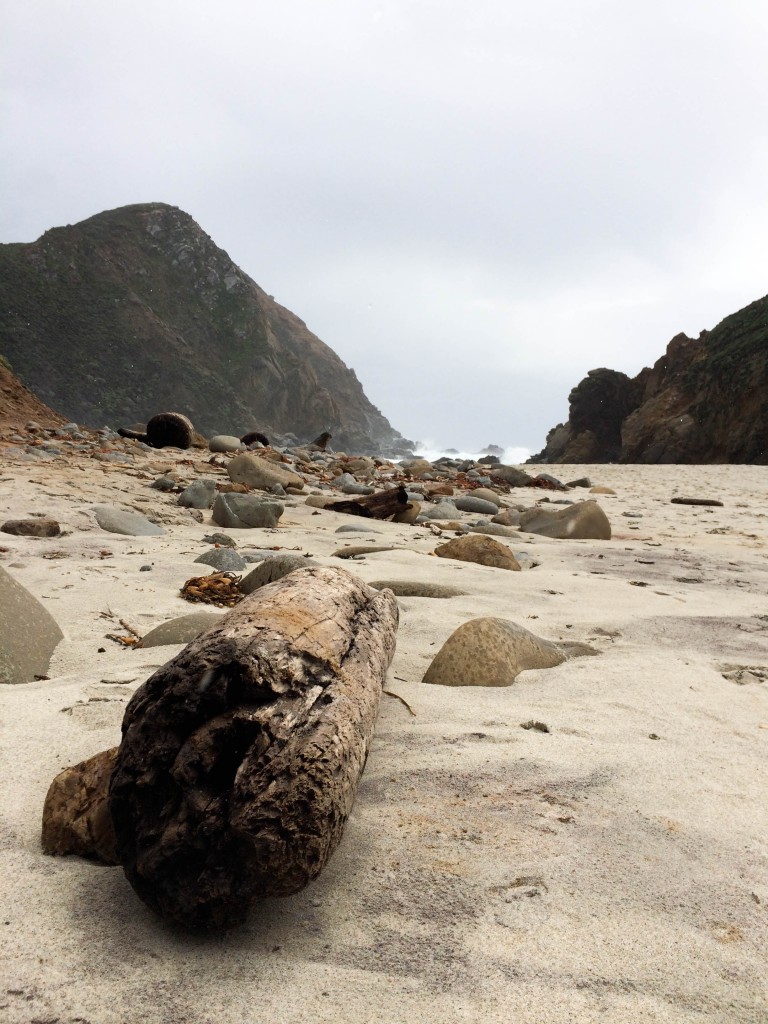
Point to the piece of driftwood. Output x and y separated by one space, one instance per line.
241 756
166 430
76 816
382 505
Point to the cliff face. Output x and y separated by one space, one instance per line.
704 401
136 311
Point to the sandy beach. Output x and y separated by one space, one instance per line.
614 868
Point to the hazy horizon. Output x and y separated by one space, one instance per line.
472 206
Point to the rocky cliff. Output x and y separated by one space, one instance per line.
18 405
136 311
704 401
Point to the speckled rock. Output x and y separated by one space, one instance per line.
199 494
479 549
246 511
254 471
493 652
31 527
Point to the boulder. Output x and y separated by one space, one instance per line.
130 524
493 652
514 477
199 494
583 521
225 443
480 549
486 494
31 527
28 633
445 510
246 511
223 559
180 630
410 514
468 503
254 471
507 517
273 568
417 588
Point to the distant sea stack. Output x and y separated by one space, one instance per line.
704 401
136 310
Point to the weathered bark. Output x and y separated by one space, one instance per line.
76 813
382 505
241 756
166 430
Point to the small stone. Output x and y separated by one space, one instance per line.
486 494
697 501
601 490
417 588
583 481
145 568
222 539
164 483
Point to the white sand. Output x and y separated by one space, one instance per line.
488 872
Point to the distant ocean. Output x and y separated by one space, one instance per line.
510 457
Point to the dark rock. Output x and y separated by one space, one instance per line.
514 477
31 527
222 539
254 436
165 483
166 430
692 501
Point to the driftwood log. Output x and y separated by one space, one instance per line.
382 505
241 756
166 430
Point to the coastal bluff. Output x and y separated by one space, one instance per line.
702 402
137 309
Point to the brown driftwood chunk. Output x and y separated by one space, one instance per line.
241 756
382 505
76 813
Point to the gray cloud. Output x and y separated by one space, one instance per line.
472 204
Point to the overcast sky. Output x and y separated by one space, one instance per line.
472 203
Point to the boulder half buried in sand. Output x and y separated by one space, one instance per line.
480 549
28 633
583 521
493 652
240 757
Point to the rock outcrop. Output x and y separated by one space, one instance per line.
702 402
136 310
18 405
